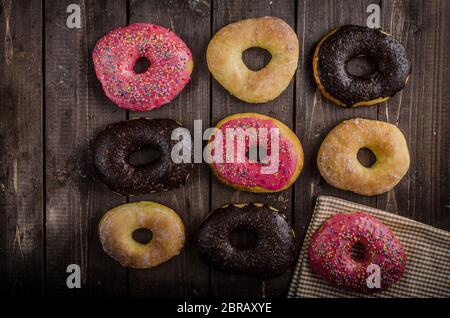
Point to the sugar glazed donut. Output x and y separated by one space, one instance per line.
339 166
114 145
339 46
271 255
224 57
117 226
250 175
330 252
115 56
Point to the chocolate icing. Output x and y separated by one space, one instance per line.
114 145
270 257
350 41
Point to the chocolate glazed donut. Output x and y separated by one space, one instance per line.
269 257
339 46
114 145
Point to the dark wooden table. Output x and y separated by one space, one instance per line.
52 106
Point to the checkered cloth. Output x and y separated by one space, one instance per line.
427 249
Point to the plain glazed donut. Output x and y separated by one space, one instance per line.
118 224
339 166
115 56
224 57
114 145
248 176
339 46
331 246
269 257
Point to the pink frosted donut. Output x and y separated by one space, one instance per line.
249 175
115 56
330 252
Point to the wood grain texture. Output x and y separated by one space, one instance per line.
223 104
316 116
422 110
184 275
21 149
52 106
76 110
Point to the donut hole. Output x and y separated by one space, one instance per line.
243 239
257 154
362 66
256 58
142 235
357 252
144 156
141 65
366 157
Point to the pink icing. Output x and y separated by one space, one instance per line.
249 173
329 251
116 53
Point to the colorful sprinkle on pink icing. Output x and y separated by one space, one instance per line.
330 251
115 56
249 173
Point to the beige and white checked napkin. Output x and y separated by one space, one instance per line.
427 249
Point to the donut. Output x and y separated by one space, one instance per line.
253 175
116 54
118 224
114 145
330 252
224 58
339 166
336 48
271 255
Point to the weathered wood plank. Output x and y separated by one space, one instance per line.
223 104
21 157
76 110
422 110
316 116
46 172
184 275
